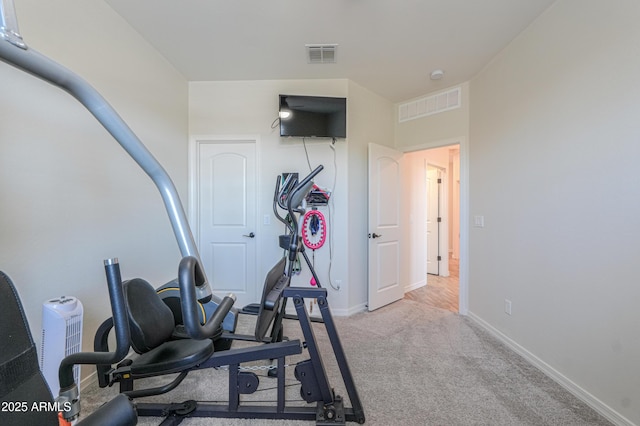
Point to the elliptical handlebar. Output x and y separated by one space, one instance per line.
190 274
301 189
292 199
277 202
290 181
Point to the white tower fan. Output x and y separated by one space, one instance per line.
61 336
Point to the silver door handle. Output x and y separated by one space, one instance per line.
251 235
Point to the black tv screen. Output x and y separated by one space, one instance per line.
313 116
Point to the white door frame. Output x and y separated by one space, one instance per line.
463 298
195 141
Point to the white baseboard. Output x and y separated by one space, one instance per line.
89 380
415 286
580 393
349 311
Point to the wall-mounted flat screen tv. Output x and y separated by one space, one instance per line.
313 116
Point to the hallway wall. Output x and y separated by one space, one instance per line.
554 153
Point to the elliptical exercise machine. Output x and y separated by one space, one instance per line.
289 195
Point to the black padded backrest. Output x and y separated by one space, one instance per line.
20 377
275 282
150 320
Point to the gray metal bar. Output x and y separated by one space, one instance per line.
9 24
14 52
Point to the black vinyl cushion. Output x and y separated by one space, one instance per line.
118 411
172 357
269 307
150 320
20 377
152 324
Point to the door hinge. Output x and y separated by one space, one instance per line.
439 180
439 219
439 258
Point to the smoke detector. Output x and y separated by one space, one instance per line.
436 74
321 53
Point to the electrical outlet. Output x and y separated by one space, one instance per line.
507 306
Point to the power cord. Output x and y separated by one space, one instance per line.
304 143
330 211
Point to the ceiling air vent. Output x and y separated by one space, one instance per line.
321 53
445 101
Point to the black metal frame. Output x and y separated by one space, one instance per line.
328 408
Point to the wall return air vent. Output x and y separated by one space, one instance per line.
445 101
321 53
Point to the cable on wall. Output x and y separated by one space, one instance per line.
330 211
304 143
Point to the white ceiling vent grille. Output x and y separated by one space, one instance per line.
321 53
445 101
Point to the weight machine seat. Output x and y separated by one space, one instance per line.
21 380
172 357
151 323
274 283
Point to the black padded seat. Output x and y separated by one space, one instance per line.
151 323
172 357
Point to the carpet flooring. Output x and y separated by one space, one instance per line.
413 365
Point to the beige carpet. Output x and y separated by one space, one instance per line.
413 365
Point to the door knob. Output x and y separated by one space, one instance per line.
374 235
251 235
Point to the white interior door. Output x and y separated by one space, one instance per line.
434 183
227 217
385 178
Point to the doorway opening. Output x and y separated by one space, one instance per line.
435 218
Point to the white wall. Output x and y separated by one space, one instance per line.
554 146
69 195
